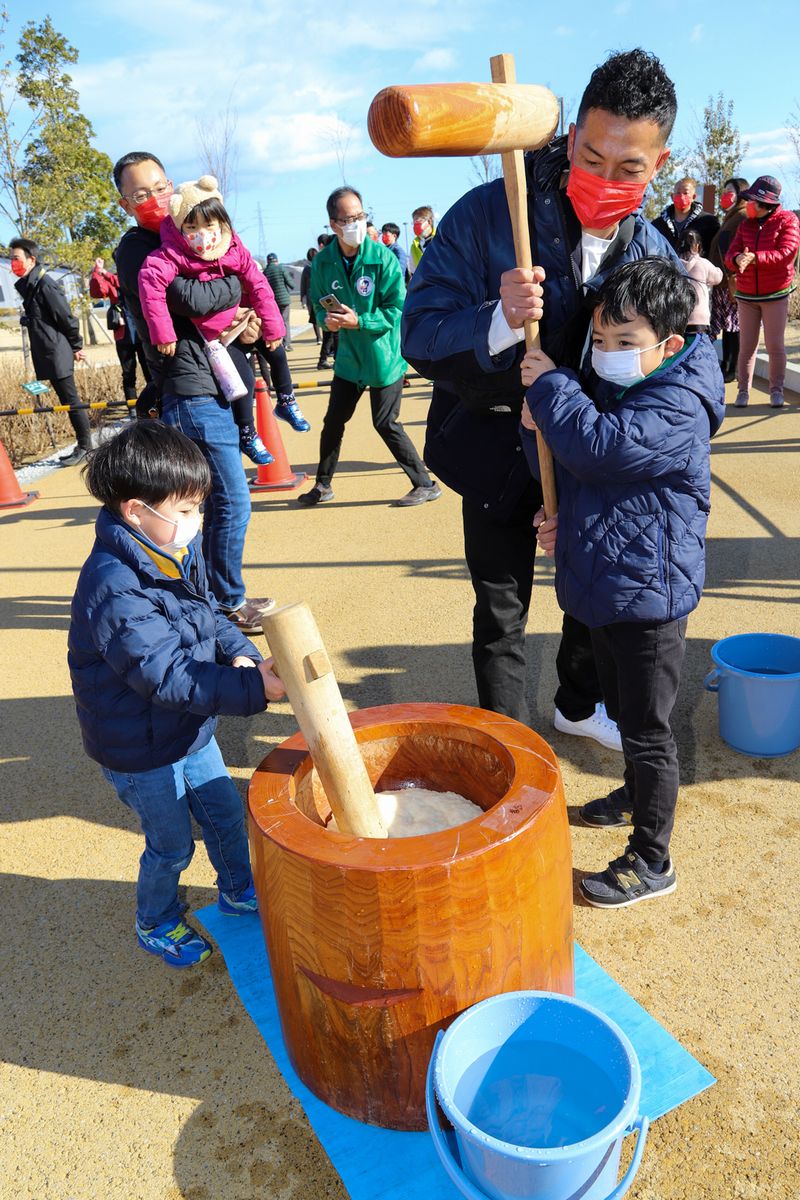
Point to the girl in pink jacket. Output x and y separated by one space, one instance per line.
704 275
198 241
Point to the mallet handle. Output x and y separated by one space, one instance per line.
504 71
303 665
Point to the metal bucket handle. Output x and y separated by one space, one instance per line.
467 1188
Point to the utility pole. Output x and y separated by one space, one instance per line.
262 237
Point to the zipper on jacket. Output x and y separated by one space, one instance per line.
758 238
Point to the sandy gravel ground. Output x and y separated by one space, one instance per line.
124 1080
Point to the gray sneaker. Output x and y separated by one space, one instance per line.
319 494
419 495
73 458
627 880
776 398
742 400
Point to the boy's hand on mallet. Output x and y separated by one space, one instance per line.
546 531
534 364
273 688
521 295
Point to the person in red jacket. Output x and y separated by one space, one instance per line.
763 254
104 285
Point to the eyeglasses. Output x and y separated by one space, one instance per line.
362 216
142 194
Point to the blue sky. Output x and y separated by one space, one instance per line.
299 76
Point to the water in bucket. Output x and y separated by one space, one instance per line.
540 1090
537 1093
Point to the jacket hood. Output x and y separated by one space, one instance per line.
545 167
111 531
695 368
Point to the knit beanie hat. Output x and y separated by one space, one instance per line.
187 195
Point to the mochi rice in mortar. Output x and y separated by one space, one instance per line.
412 811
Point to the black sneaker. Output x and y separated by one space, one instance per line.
608 813
73 458
627 880
319 494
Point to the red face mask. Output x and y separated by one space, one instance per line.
18 267
600 203
750 210
727 200
151 212
386 238
419 228
682 202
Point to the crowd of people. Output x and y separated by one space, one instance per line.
626 389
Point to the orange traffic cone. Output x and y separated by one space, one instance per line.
278 476
11 494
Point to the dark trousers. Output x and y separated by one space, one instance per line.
330 341
385 402
312 317
640 670
128 353
500 556
67 393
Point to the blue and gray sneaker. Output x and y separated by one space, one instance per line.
255 450
178 944
288 410
247 903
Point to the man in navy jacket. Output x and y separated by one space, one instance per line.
463 328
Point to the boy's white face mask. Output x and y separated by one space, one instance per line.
621 366
184 530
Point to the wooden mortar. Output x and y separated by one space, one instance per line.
375 943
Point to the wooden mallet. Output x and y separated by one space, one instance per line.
468 119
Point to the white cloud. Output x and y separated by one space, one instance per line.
305 141
434 61
697 33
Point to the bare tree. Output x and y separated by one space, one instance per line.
219 148
338 135
793 129
486 167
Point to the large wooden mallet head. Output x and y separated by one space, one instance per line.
453 119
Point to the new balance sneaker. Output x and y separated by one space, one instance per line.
776 398
742 400
319 494
626 880
247 903
255 450
288 410
598 726
419 495
247 617
177 943
608 813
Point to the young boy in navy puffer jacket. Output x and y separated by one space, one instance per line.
633 473
153 661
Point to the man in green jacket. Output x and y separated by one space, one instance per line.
367 281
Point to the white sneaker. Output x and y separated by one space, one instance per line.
598 726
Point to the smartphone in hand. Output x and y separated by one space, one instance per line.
331 304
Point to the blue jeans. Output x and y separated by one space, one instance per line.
208 421
165 799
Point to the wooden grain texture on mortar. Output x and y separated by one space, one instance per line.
376 944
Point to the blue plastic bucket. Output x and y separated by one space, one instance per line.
757 678
540 1089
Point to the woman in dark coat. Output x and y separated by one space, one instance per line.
724 309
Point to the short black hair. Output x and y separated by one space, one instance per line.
147 461
312 252
130 160
653 288
209 210
325 239
632 84
690 242
390 227
28 247
332 203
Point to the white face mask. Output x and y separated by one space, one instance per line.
621 366
184 530
354 232
202 240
